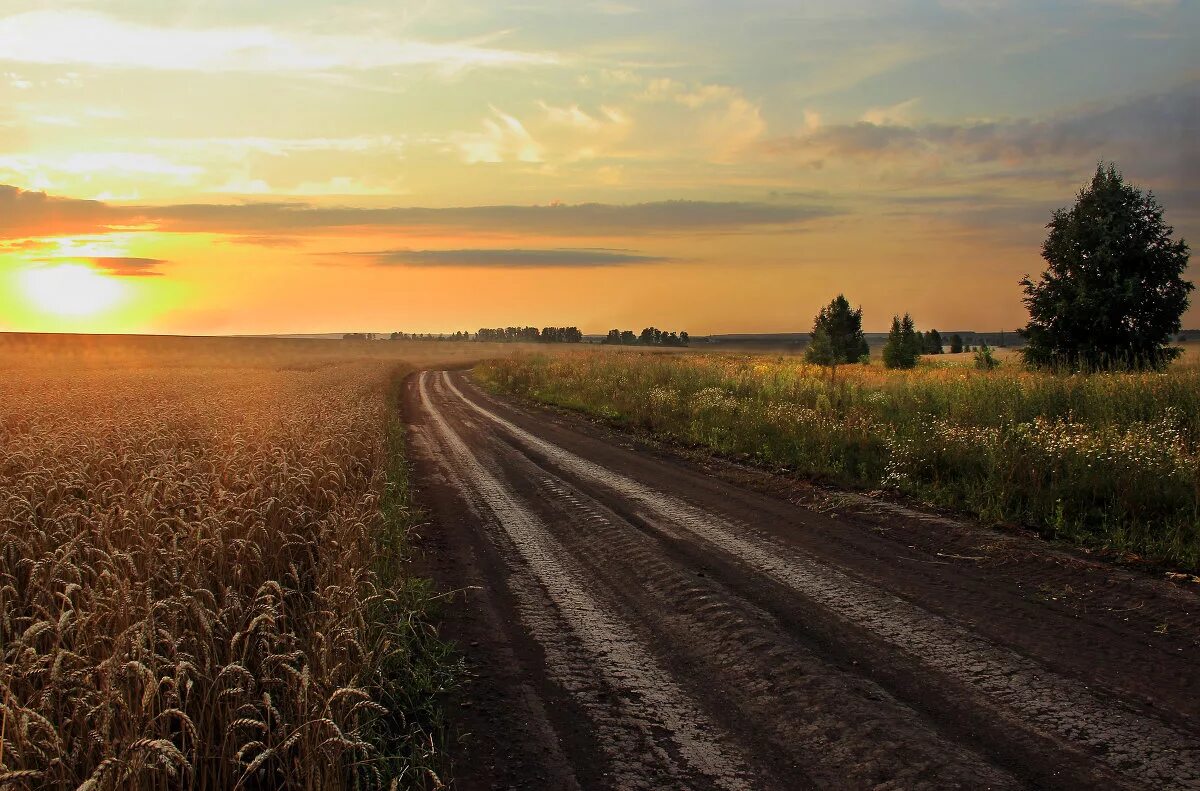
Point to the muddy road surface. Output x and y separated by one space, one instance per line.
635 621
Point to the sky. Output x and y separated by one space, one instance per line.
224 167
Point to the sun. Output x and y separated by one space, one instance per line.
71 290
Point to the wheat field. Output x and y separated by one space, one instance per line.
199 571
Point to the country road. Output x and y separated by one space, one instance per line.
634 620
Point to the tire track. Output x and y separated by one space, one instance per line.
845 730
652 732
1139 748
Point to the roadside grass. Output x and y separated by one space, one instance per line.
419 671
1107 461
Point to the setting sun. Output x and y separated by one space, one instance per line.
71 290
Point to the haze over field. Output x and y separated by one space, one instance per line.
303 167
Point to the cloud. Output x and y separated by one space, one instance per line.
25 214
503 138
640 119
81 37
46 171
1153 135
123 266
511 258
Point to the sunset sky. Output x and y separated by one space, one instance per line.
377 165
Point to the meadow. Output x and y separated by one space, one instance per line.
202 568
1106 461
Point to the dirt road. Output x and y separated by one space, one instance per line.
635 621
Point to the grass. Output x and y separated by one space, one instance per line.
1105 461
202 570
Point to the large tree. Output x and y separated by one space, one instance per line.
1113 291
837 335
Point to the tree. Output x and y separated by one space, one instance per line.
956 344
984 359
904 344
684 338
932 342
820 348
837 335
1113 291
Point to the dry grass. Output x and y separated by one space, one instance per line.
190 587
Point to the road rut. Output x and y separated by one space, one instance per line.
636 623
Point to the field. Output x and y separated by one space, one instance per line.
1106 461
202 583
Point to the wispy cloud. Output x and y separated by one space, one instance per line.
510 258
503 138
88 38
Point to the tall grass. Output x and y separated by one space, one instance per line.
200 582
1105 460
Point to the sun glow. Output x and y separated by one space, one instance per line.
71 290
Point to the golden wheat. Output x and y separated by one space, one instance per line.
186 574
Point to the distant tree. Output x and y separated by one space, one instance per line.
837 335
684 338
933 342
904 344
1113 291
628 338
956 344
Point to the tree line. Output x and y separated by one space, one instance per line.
1112 296
837 338
650 336
484 334
529 335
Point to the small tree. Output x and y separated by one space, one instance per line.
956 344
837 335
904 344
984 359
1113 291
893 348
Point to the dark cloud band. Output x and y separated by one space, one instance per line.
24 214
510 258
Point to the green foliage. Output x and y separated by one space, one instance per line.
837 335
984 359
1106 460
904 344
1113 291
956 344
